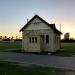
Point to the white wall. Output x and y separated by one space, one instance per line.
33 47
35 26
35 29
57 43
30 47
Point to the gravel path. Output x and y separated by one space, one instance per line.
43 60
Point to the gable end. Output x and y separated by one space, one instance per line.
50 25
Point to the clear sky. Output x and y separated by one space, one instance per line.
13 14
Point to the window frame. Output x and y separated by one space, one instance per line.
35 39
47 39
30 39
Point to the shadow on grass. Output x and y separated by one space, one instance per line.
63 53
7 68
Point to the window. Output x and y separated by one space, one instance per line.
47 38
32 39
42 37
35 39
29 39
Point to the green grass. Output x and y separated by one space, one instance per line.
67 49
10 46
7 68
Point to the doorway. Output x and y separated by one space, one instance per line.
42 43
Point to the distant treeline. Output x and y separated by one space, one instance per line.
5 38
68 40
8 39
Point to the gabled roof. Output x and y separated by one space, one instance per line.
50 25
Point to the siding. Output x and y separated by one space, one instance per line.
56 42
32 47
37 26
35 29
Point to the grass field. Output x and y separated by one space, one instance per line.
10 46
7 68
67 49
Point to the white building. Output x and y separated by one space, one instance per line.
40 36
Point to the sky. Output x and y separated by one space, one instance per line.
14 15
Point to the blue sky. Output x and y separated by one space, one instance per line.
13 14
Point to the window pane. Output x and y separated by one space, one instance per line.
32 39
47 39
29 39
35 39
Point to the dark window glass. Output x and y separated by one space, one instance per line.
47 38
29 39
32 39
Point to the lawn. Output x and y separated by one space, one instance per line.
67 49
7 68
10 46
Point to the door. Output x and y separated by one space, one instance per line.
42 43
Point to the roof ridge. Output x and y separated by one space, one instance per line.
50 25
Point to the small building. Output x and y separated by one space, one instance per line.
66 36
40 36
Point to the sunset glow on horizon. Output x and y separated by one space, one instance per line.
14 15
14 35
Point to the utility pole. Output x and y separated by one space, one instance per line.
60 36
60 27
